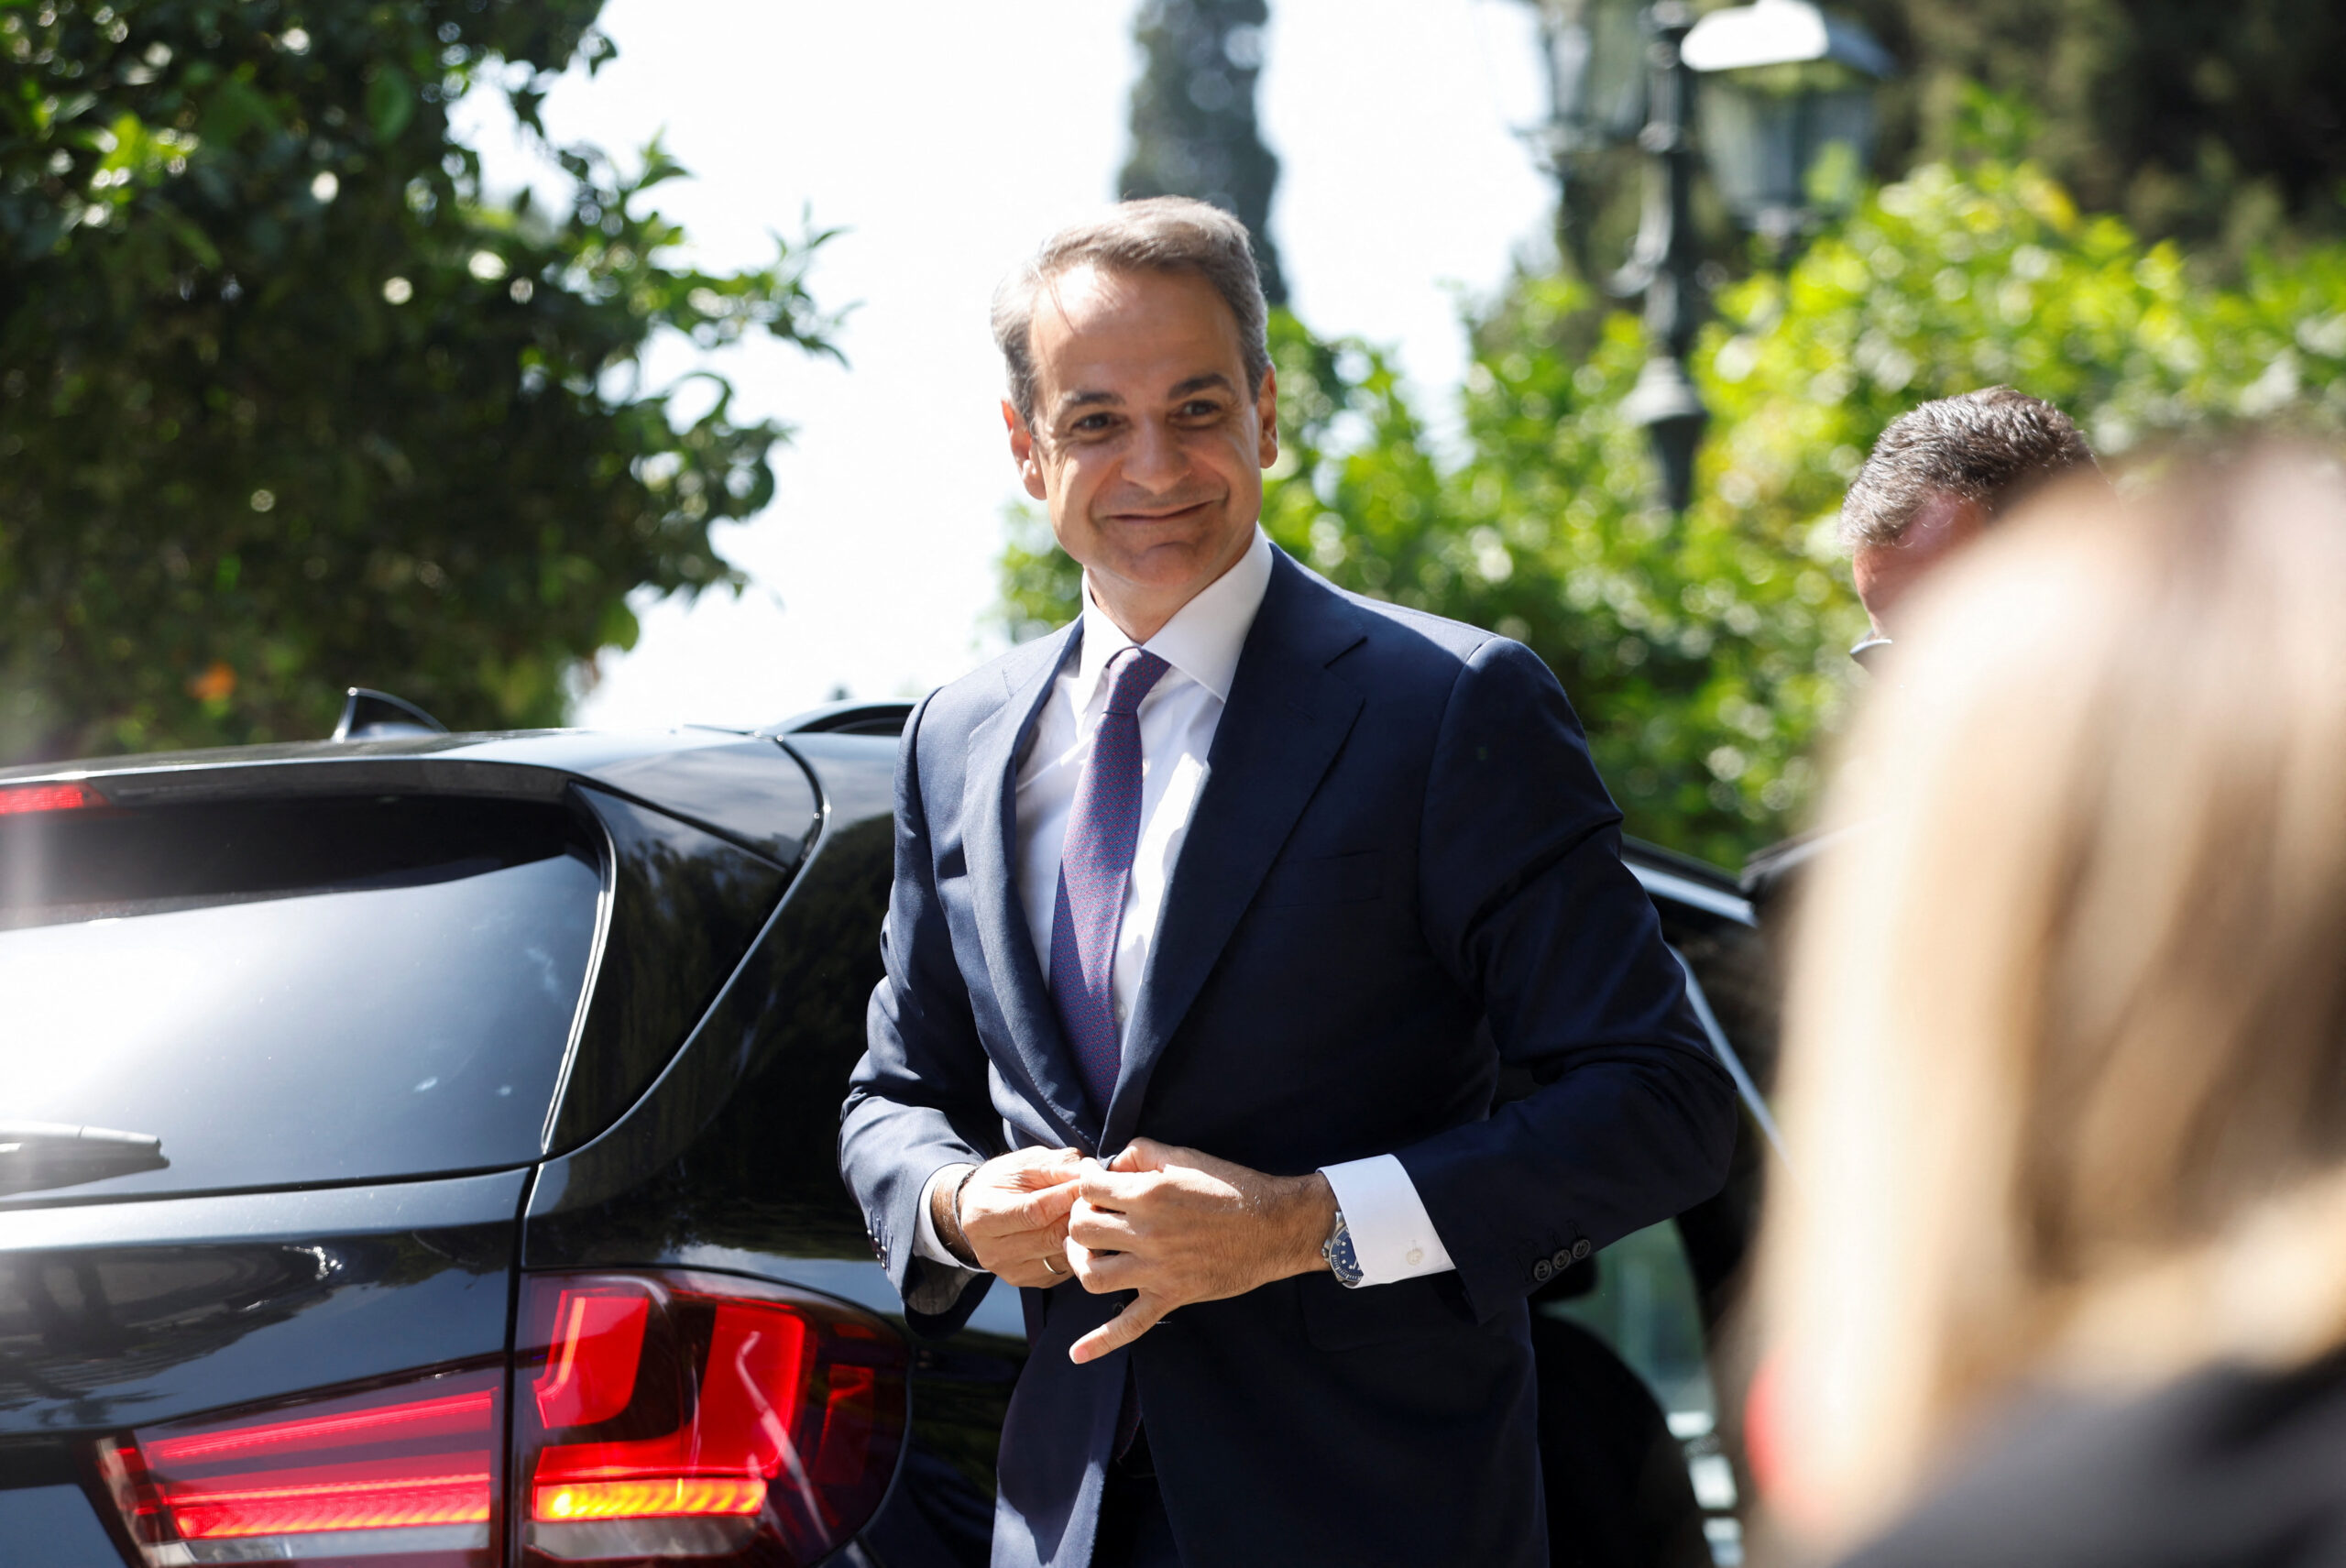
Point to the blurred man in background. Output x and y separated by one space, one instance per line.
1940 475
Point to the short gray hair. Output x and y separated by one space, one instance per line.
1990 446
1162 234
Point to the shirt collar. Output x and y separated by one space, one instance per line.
1203 638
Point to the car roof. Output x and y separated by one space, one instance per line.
571 749
578 751
746 787
695 770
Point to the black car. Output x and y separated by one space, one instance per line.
418 1149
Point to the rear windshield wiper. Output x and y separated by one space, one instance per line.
35 1156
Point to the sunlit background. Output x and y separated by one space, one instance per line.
945 141
299 394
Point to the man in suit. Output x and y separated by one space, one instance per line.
1216 915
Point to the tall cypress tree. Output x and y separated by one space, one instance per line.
1194 132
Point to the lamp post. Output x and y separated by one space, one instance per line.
1593 58
1662 263
1787 114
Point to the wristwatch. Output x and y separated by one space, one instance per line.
1338 1250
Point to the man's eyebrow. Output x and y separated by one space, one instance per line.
1200 383
1073 400
1210 380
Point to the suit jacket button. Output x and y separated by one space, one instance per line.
1580 1249
1564 1259
1542 1271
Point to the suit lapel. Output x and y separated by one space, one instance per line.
1287 719
1040 1061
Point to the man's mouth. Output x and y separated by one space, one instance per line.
1146 516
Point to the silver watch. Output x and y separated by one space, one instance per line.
1338 1250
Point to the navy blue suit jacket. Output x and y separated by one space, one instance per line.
1400 841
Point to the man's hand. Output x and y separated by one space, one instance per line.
1009 1217
1178 1226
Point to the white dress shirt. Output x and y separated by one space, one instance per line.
1392 1238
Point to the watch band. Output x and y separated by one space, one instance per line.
959 1234
1342 1260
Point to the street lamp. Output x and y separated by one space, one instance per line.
1787 106
1788 111
1662 264
1593 52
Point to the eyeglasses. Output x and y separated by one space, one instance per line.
1868 648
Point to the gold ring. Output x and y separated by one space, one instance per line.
1052 1268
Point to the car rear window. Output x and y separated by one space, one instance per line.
291 992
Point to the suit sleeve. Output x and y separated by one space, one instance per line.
1526 901
919 1100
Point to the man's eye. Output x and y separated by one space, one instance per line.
1200 408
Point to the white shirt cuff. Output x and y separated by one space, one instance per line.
1393 1237
927 1243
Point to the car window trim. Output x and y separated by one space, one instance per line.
606 894
1724 1048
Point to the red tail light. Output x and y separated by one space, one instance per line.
402 1474
657 1416
67 797
692 1415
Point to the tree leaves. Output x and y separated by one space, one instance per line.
390 102
283 395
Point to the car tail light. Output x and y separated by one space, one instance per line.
676 1415
67 797
404 1475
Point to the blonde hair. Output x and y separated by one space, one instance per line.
2066 1071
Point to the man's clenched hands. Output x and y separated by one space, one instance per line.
1178 1226
1009 1217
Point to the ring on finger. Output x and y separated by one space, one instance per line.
1052 1268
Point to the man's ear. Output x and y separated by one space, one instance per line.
1023 453
1267 409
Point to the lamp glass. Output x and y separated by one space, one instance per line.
1616 69
1595 70
1788 140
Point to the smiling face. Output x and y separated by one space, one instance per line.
1146 443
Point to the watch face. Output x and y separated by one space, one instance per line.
1342 1262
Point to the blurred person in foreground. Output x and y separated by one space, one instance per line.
1938 477
2063 1278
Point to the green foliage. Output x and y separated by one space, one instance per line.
1193 124
1706 654
287 404
2220 124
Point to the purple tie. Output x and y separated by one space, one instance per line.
1095 865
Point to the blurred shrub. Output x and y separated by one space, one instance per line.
287 404
1706 653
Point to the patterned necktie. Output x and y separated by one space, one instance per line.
1095 865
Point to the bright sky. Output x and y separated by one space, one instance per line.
947 139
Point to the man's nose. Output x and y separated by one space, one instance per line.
1156 460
